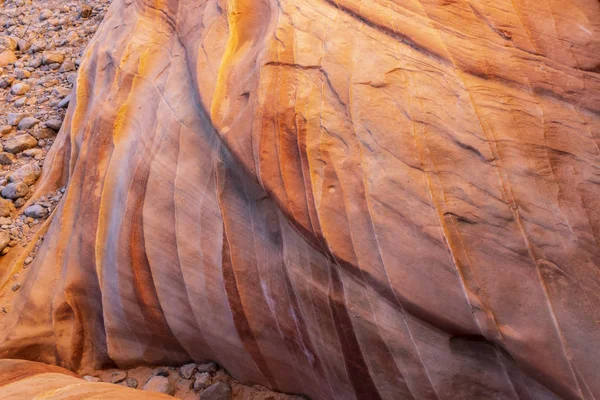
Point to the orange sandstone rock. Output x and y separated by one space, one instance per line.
350 200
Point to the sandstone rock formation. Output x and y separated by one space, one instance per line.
349 200
28 380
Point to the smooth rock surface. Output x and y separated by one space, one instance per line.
350 200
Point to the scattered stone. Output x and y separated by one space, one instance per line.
36 211
16 286
54 124
45 14
68 66
28 173
6 158
28 123
85 11
7 57
64 103
37 46
5 129
130 383
52 57
23 45
118 376
8 43
187 370
201 381
22 73
4 239
28 261
19 143
181 384
61 92
88 378
38 154
35 62
210 367
159 384
15 191
43 133
20 88
20 202
14 118
217 391
6 207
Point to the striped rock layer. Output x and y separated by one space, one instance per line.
346 199
31 380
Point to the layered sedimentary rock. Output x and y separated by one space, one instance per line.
30 380
349 200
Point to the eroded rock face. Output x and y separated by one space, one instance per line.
350 200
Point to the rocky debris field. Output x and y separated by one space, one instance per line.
206 381
41 43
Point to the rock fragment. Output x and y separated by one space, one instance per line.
6 208
36 211
210 367
217 391
52 57
6 158
118 376
7 57
4 239
159 384
19 143
27 123
54 124
130 383
28 173
15 191
20 88
186 371
201 381
14 118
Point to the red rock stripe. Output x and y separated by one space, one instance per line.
240 319
357 368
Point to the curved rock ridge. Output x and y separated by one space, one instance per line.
31 380
343 199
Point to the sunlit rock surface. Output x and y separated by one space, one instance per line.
345 199
30 380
